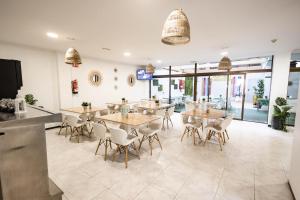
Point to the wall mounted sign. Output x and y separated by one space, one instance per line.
131 80
95 78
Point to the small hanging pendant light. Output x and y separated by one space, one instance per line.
72 57
225 64
176 29
150 69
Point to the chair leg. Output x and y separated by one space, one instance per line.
100 142
198 134
227 134
110 144
156 137
169 118
105 155
114 155
143 139
223 137
61 127
137 151
126 156
194 135
185 130
219 139
66 132
150 144
78 135
72 132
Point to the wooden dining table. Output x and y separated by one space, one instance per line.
80 110
150 105
210 114
133 121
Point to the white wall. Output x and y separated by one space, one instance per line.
280 76
294 175
48 78
103 94
39 73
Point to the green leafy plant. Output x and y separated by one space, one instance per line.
281 111
259 90
188 89
29 98
85 104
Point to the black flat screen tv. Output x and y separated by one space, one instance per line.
142 75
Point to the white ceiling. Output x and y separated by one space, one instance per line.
245 27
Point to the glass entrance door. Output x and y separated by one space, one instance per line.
217 91
235 99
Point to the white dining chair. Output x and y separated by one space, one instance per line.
162 113
102 134
227 121
63 124
150 133
104 112
217 129
123 142
169 113
191 127
75 124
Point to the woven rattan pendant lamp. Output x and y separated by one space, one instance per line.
225 64
72 57
150 69
176 29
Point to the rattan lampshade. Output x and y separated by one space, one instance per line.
225 64
150 69
176 29
72 57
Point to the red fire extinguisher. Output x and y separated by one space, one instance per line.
74 85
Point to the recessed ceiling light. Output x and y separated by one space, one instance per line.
224 53
106 49
127 54
70 38
274 40
52 35
158 61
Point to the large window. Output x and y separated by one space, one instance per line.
293 86
160 88
244 91
182 90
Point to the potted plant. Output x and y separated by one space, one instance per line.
85 105
280 114
29 98
259 91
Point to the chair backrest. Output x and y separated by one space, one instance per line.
161 112
118 136
92 116
103 112
134 107
226 122
156 125
185 119
83 117
189 106
140 110
72 120
171 110
99 130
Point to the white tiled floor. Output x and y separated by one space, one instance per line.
252 165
